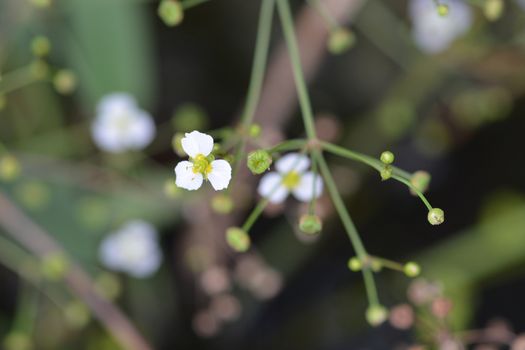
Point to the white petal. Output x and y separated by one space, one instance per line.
271 187
220 175
109 253
105 137
142 130
115 102
292 161
305 189
197 143
186 178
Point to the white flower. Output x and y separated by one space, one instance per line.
132 249
202 166
291 176
434 33
120 125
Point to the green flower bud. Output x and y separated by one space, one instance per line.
33 194
39 69
354 264
411 269
171 190
310 224
17 341
340 40
436 216
493 9
238 239
171 12
93 213
387 157
41 3
9 168
376 314
176 144
386 172
442 10
40 46
222 203
54 266
254 130
420 180
76 314
108 285
259 161
188 117
65 81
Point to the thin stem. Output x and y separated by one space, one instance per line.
16 79
311 206
257 211
192 3
295 58
389 263
288 145
325 14
349 226
413 188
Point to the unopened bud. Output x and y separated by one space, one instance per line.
76 314
9 168
340 40
171 12
171 190
310 224
40 46
387 157
41 3
65 81
222 203
436 216
54 266
386 172
259 161
176 144
376 314
238 239
411 269
254 130
420 180
354 264
442 10
493 9
39 69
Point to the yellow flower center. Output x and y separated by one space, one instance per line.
291 180
202 164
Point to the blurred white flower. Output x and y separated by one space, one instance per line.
521 3
291 176
434 33
202 166
120 125
132 249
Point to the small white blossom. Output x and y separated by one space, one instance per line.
202 165
132 249
291 176
120 125
434 33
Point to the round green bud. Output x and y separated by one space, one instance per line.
354 264
3 101
65 81
171 12
9 168
176 144
386 172
442 10
254 130
171 190
222 203
340 40
493 9
387 157
93 213
40 46
310 224
33 194
54 266
76 314
17 340
188 117
259 161
41 3
420 180
411 269
238 239
376 314
108 285
436 216
39 69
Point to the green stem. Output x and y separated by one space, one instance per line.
418 192
192 3
288 145
349 226
16 79
330 21
311 206
295 58
257 211
363 158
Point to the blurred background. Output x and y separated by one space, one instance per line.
444 93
